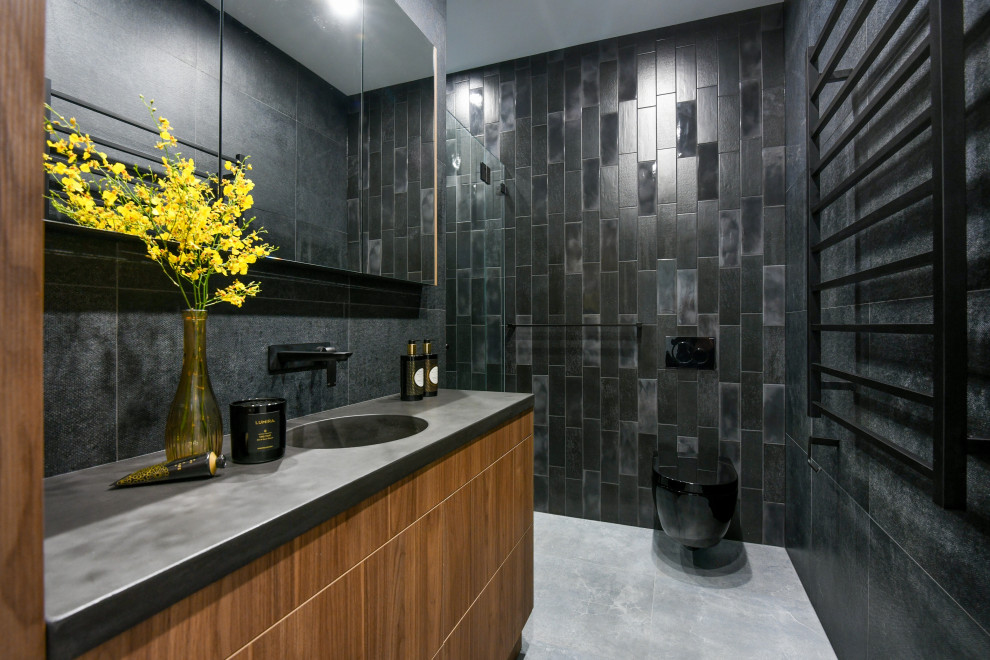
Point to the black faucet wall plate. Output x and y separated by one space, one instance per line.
690 352
288 358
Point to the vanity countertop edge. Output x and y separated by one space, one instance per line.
116 557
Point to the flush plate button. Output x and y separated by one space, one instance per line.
690 352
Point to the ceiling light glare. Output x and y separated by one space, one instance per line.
345 8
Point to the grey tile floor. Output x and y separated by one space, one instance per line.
613 591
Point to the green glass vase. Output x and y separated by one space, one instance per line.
194 423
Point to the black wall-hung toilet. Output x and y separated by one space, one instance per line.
695 512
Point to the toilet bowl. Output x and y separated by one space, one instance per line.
695 512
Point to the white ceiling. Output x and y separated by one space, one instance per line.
329 43
481 32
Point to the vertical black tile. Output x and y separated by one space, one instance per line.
728 355
555 86
609 502
646 80
687 129
574 498
751 167
572 145
628 500
773 473
707 171
665 67
751 346
773 295
728 66
572 94
608 86
687 241
628 125
687 80
707 115
708 285
666 286
539 99
687 408
687 297
774 118
728 180
572 243
773 523
646 242
687 185
751 515
773 414
773 354
708 227
773 176
751 214
773 235
507 110
555 137
728 121
729 239
627 74
628 231
557 491
752 459
751 401
589 184
750 51
666 176
609 139
750 109
728 295
773 58
646 134
751 285
589 132
591 491
666 129
646 182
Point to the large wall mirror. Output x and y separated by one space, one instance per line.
332 101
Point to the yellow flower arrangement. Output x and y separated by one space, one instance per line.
192 227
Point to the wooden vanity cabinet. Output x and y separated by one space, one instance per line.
439 565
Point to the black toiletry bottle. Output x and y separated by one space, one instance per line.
411 374
432 372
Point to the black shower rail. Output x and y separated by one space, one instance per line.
943 48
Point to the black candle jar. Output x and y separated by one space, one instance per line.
257 430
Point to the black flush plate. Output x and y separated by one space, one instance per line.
486 174
690 352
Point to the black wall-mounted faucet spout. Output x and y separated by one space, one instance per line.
287 358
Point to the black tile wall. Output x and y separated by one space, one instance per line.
392 184
887 571
645 219
112 330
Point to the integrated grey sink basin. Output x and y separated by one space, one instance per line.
354 431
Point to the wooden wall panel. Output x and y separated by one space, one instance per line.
224 616
403 592
469 554
491 628
330 625
329 550
22 64
412 497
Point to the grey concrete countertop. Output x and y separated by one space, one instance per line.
115 557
